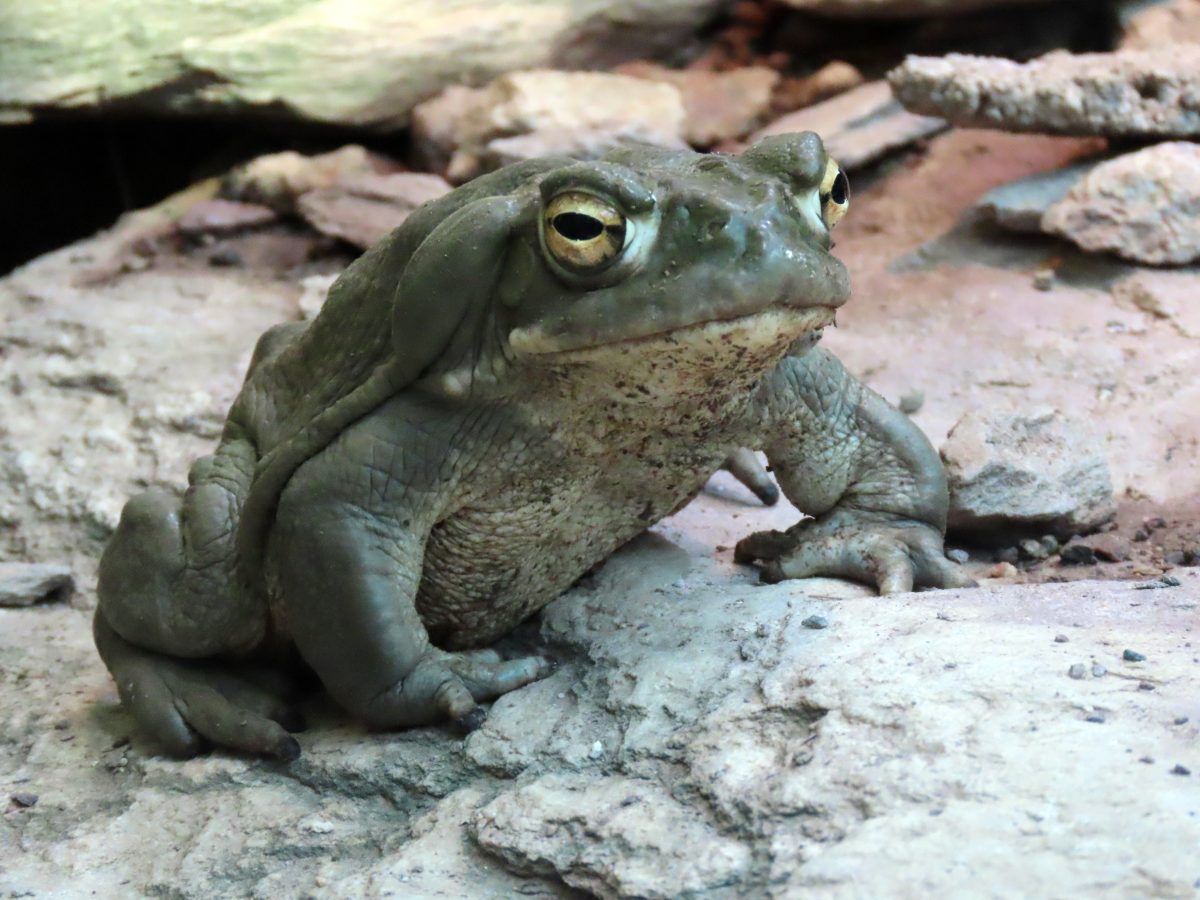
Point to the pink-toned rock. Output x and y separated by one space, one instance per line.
1142 206
1174 22
218 216
828 81
859 126
895 9
544 112
278 179
719 106
364 208
1130 93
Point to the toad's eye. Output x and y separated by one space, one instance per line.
835 194
582 231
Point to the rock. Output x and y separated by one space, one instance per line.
718 106
1133 656
279 179
828 81
859 126
217 216
613 837
1077 553
1143 206
895 9
24 584
364 208
1020 205
1077 671
1125 94
1110 546
1013 473
815 622
364 65
1173 22
544 113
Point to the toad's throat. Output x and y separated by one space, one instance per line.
764 328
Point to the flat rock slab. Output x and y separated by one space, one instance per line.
1130 93
1020 205
1143 206
363 65
859 126
24 584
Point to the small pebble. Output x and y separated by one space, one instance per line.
225 257
962 557
1043 279
1078 555
1145 686
597 751
945 617
1148 760
911 402
1181 720
1141 535
1154 523
1008 555
1077 671
1096 718
1133 656
1098 671
1031 549
1002 570
1061 639
815 622
320 826
24 799
62 724
1049 544
1181 770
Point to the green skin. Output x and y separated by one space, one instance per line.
470 425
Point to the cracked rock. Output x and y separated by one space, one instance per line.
364 208
1130 93
614 837
24 584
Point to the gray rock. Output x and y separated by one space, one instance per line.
466 131
366 65
1016 473
860 126
24 584
1125 94
1143 206
1020 205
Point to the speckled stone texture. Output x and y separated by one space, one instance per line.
1143 206
1125 94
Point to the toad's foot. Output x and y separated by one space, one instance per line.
892 553
446 685
189 705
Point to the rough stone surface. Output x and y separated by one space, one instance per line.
1020 205
279 179
896 9
718 106
859 126
364 208
466 131
1173 22
24 584
218 215
366 65
1151 93
1142 206
1025 472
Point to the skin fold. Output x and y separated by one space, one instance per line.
521 378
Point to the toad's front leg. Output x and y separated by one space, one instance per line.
869 476
348 548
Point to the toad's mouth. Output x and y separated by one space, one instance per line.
770 326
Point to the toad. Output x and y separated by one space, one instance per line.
522 377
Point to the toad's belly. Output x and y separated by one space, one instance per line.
487 569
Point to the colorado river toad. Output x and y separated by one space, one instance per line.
518 380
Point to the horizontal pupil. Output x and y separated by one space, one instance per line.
577 226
